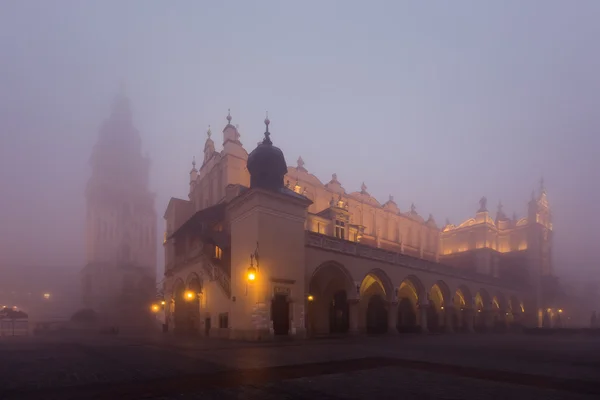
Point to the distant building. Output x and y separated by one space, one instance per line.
260 249
119 277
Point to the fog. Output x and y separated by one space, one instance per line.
435 103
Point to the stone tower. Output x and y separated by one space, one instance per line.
120 271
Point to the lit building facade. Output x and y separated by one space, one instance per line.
260 248
119 278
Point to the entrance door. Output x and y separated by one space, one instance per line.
280 314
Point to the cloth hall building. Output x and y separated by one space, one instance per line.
260 248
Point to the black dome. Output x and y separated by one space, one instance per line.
267 166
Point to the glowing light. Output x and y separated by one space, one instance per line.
549 310
155 307
442 307
162 303
310 297
189 295
560 310
251 273
46 296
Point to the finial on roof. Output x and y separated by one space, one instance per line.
542 187
267 139
229 116
334 177
482 204
300 163
194 162
391 199
363 188
208 132
413 208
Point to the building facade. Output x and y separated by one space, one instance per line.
260 248
119 277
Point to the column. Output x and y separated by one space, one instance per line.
422 309
353 316
393 318
448 320
468 315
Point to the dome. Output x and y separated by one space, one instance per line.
267 165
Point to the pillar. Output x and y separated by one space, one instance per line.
353 316
393 318
468 316
448 321
423 317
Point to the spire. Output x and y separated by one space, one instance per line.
229 116
194 163
413 208
363 188
300 164
121 108
267 139
542 187
208 132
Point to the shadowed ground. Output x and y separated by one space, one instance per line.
166 367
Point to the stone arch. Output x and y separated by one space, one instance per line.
192 277
439 297
411 293
416 287
328 272
515 312
463 309
483 307
376 296
463 297
331 286
378 276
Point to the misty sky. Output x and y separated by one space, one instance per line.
436 102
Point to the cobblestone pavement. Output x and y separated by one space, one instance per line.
166 367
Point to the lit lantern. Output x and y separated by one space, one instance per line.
251 273
189 295
310 297
155 308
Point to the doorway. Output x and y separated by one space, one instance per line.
377 316
339 313
280 314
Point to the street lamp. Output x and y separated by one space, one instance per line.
155 308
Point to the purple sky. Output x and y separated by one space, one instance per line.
437 103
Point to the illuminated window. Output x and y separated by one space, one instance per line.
340 229
218 252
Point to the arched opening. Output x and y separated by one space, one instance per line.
375 290
515 314
192 304
339 315
462 309
330 287
482 308
500 313
376 315
410 293
436 312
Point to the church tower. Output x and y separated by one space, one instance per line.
121 218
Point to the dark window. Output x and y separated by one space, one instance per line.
340 229
224 320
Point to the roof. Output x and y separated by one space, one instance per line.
173 201
208 215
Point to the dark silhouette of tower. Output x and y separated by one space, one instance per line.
119 278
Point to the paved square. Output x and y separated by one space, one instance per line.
413 366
